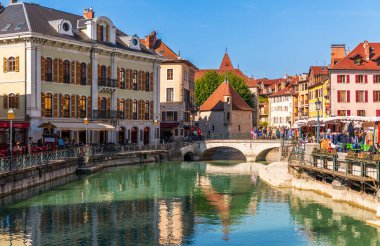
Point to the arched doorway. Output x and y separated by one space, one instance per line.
146 135
122 135
134 133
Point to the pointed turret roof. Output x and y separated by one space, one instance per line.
226 63
216 100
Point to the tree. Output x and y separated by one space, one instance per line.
210 81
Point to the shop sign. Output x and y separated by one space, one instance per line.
6 124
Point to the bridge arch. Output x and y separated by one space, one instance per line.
189 156
263 155
223 153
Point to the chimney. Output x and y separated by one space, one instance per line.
338 52
366 50
12 1
150 40
89 13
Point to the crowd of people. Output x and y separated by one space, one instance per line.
273 133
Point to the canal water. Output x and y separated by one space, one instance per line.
181 204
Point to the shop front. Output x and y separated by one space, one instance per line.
19 130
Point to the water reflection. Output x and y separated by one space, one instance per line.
178 204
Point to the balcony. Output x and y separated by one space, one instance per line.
107 85
104 114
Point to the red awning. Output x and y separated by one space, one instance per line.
6 124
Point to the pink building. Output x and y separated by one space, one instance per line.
355 82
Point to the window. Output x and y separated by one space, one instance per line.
103 75
48 105
66 106
239 128
228 115
11 64
169 75
163 116
344 112
376 96
344 79
169 94
376 79
135 42
171 116
134 109
361 112
66 72
101 33
213 128
343 96
361 96
146 110
361 79
377 113
82 107
49 69
122 78
134 80
83 73
103 108
66 27
147 82
121 113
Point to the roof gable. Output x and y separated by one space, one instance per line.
226 63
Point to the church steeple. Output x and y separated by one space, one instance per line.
226 62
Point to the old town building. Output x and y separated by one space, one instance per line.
355 82
281 107
318 86
225 112
227 66
176 90
61 68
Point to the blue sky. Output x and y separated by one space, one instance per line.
266 38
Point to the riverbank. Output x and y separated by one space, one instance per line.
277 175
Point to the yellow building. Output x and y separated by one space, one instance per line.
318 81
61 68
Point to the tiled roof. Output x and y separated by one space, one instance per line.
319 70
226 63
348 62
216 101
163 50
284 92
37 17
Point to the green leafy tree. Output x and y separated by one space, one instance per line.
210 81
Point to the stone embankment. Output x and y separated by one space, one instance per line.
277 175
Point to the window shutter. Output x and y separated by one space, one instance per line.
55 105
151 82
366 79
99 72
89 107
55 70
348 112
366 96
118 78
78 108
143 75
42 104
356 78
5 101
73 72
131 79
339 98
338 112
99 104
338 78
89 74
107 33
17 64
140 81
108 72
140 110
73 104
17 101
78 73
127 79
60 105
108 104
43 68
151 108
60 71
374 96
357 96
348 79
128 109
5 62
348 96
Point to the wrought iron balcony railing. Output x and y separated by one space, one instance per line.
104 114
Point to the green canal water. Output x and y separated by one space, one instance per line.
180 204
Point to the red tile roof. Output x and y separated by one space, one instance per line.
321 70
284 92
348 62
216 101
226 63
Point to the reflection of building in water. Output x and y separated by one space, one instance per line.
170 223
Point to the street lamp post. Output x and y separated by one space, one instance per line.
11 117
86 123
318 107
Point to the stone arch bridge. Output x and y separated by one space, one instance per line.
253 150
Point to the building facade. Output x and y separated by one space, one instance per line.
355 82
317 85
281 108
225 113
61 68
177 90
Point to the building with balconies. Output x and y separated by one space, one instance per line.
60 68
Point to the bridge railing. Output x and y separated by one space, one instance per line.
226 136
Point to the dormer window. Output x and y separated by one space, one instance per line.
62 26
132 42
66 27
358 61
135 41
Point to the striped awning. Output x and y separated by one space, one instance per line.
75 126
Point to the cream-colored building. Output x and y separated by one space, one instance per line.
225 114
176 90
61 68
